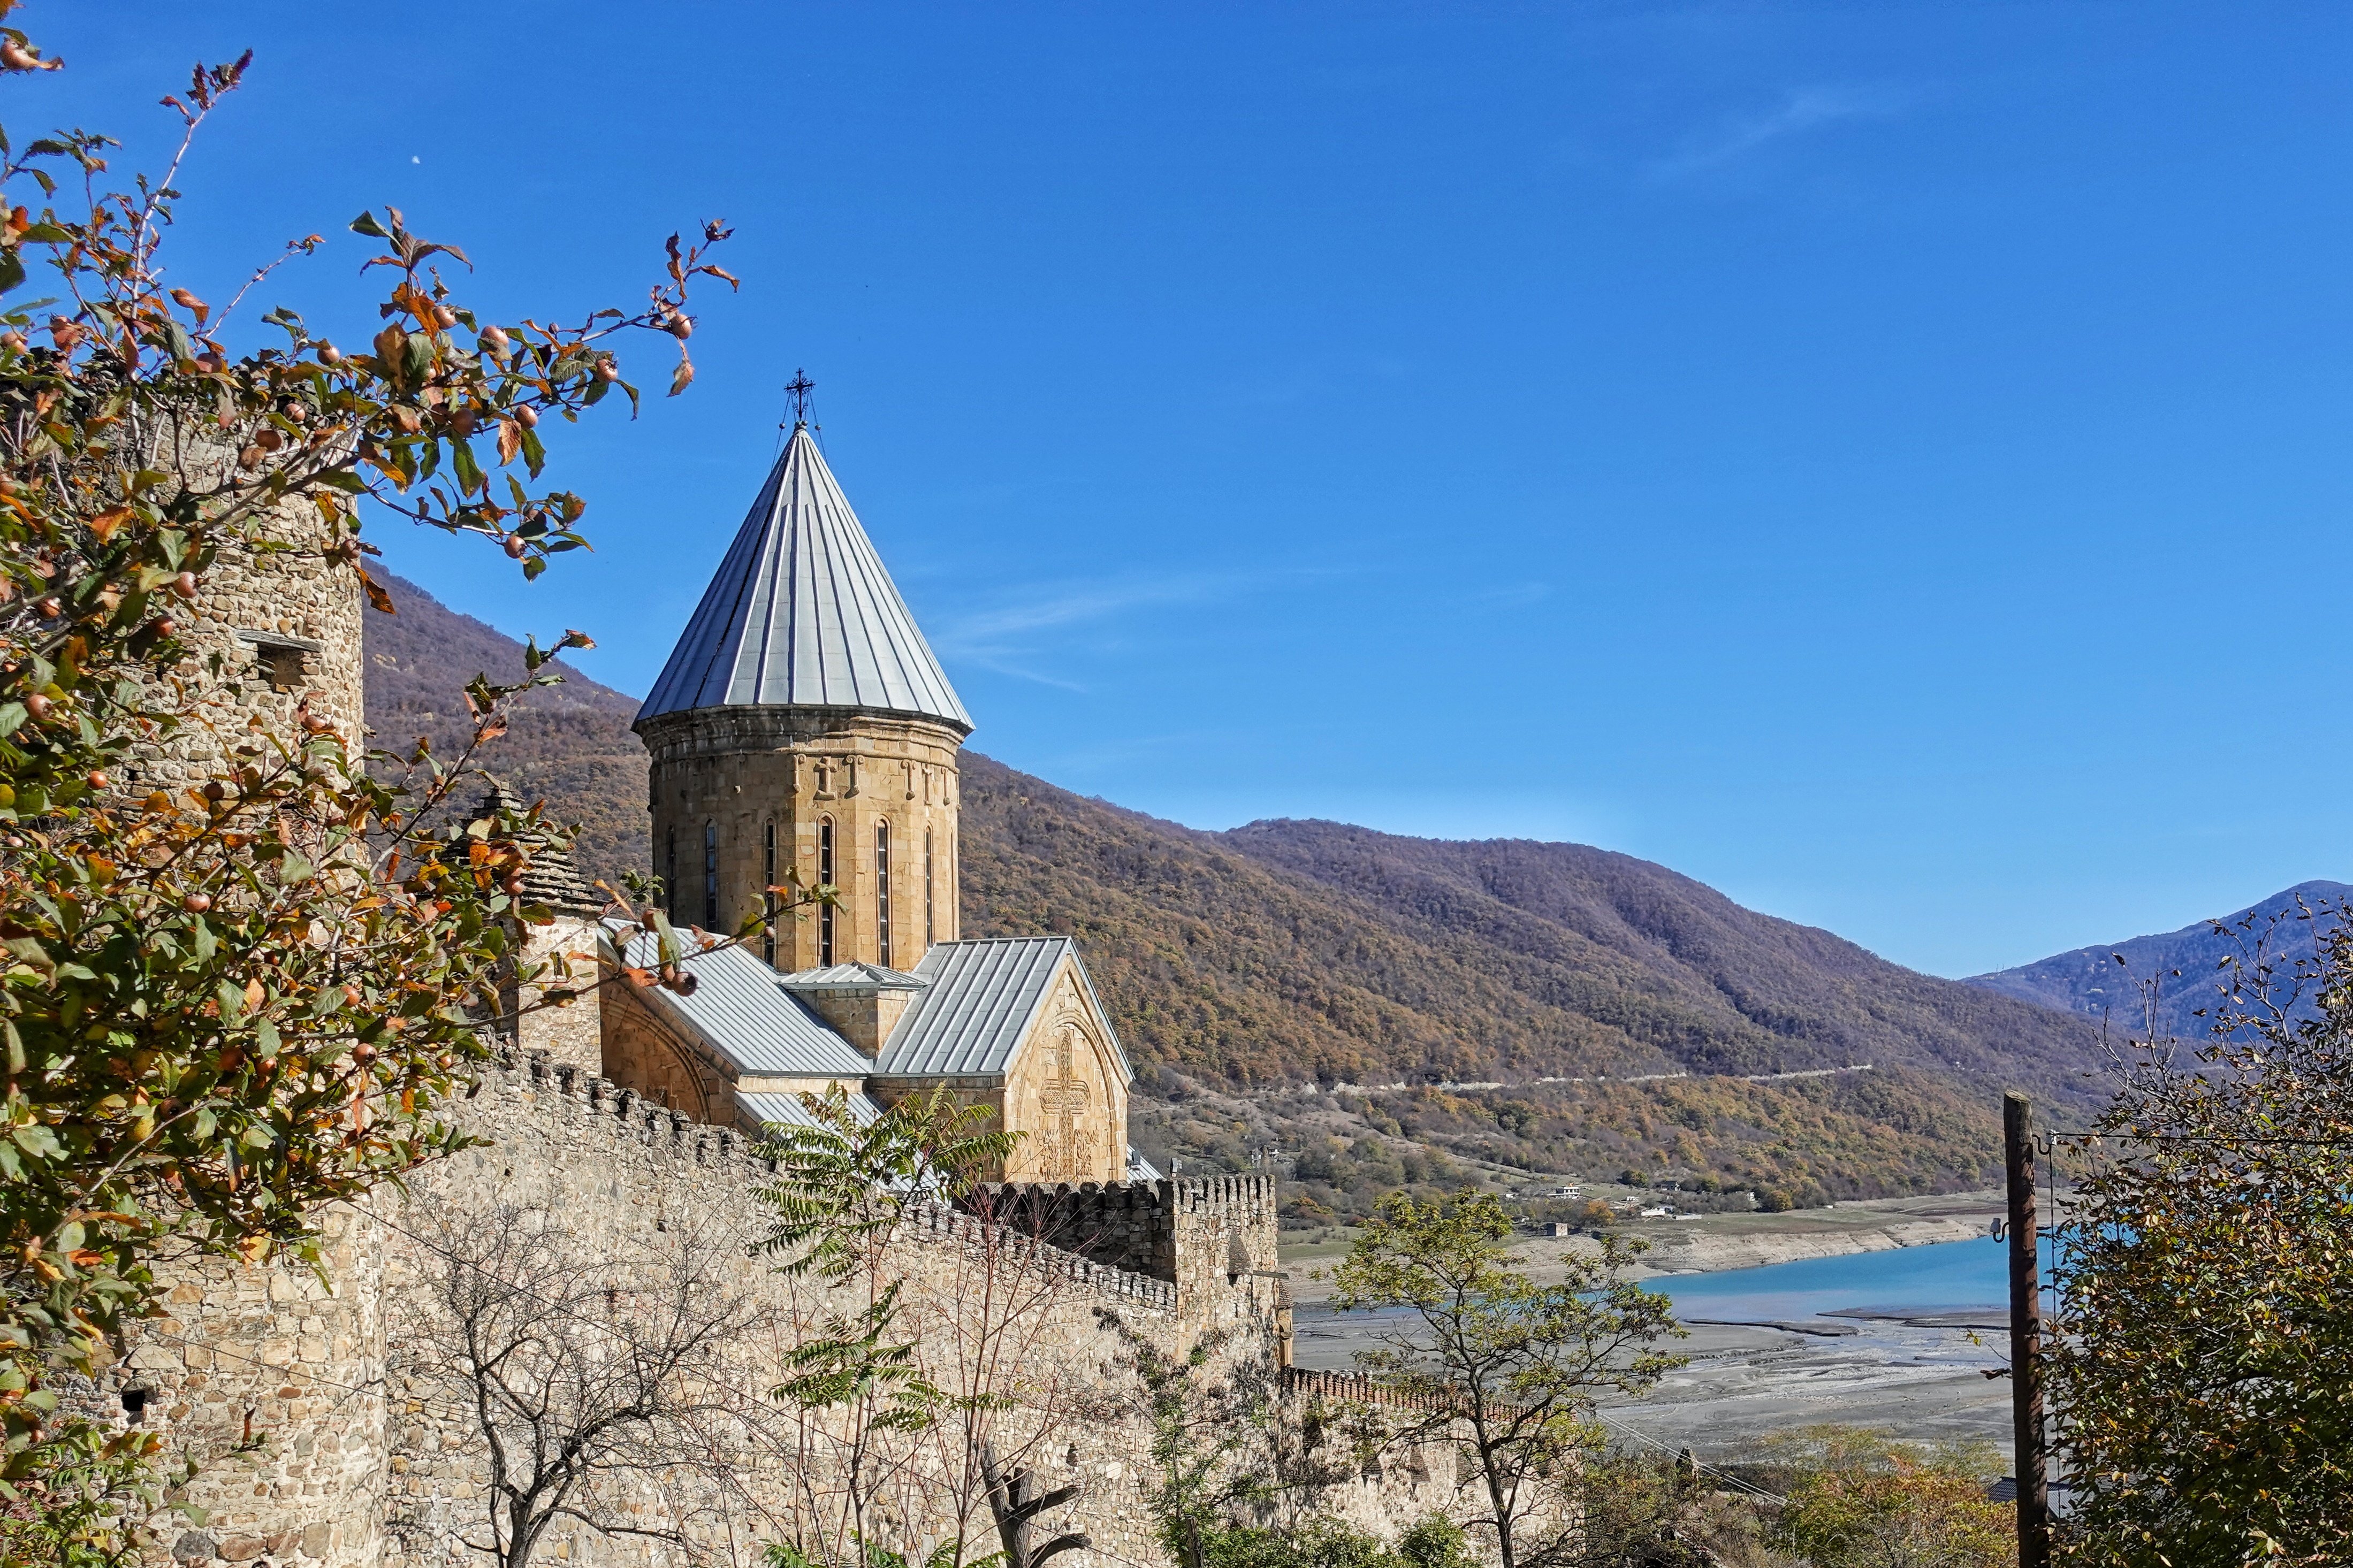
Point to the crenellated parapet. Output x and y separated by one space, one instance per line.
672 1147
1144 1225
1361 1388
1213 1238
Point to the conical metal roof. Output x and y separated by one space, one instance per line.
802 614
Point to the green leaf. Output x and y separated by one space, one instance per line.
365 223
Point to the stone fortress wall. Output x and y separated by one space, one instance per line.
281 621
326 1435
323 1436
274 633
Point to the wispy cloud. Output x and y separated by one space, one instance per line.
1008 637
1511 598
1801 111
1315 378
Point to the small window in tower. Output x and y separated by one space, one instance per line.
931 927
883 894
282 661
669 871
767 899
825 879
711 876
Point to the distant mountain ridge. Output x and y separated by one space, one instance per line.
2090 982
1316 952
1710 986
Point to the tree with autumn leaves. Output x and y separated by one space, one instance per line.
239 994
2200 1369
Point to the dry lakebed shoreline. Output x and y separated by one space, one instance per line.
1916 1368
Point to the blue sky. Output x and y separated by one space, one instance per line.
1885 460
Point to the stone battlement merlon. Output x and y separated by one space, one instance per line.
535 1081
1183 1231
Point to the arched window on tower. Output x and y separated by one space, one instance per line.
883 894
711 876
767 899
931 927
825 879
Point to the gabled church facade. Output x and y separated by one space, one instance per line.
803 734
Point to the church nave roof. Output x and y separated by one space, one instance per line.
979 1002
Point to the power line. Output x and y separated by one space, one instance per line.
1736 1482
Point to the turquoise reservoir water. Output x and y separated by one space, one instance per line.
1946 1277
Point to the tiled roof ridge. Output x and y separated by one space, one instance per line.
549 875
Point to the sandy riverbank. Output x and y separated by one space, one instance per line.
1922 1378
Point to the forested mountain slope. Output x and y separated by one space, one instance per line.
1289 956
1291 951
569 745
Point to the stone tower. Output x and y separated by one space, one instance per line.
803 727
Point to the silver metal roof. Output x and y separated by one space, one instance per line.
786 1110
802 614
983 998
741 1011
851 976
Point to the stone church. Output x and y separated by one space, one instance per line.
804 735
802 729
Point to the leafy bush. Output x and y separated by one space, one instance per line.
2202 1370
1862 1500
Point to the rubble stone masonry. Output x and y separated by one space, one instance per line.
326 1434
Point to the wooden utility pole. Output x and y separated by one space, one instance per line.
2026 1334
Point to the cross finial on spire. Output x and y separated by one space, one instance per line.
799 387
